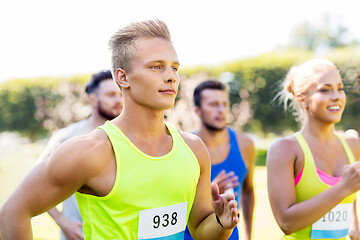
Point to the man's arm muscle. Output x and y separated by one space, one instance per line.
202 222
48 184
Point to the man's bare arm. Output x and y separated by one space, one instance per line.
71 229
202 220
48 183
248 151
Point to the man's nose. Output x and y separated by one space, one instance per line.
221 108
171 75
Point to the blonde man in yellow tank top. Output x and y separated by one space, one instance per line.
313 175
139 143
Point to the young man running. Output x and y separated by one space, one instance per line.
136 177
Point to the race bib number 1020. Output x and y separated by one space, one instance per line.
335 224
165 223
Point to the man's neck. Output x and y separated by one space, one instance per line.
148 123
146 130
95 120
213 138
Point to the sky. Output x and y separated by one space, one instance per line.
61 38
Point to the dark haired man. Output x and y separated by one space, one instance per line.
232 153
106 103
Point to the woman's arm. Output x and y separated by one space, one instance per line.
292 216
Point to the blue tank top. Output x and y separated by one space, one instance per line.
233 162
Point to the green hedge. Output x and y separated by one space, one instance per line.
35 106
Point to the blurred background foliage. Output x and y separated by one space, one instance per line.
35 107
254 83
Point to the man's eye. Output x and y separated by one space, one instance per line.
156 67
175 69
324 90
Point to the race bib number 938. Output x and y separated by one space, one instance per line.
165 223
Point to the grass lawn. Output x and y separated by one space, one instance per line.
15 164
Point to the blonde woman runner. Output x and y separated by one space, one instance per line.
314 174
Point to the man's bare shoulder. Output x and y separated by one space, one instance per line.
191 139
86 152
247 148
245 141
196 145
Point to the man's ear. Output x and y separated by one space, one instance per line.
121 78
197 110
92 99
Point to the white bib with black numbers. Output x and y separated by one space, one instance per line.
334 224
164 223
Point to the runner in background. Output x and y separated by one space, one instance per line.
106 103
232 153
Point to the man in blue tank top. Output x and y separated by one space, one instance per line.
232 154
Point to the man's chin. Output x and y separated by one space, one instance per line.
214 128
166 107
109 116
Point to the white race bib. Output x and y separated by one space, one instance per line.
165 223
335 224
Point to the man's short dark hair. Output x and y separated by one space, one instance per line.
95 80
209 84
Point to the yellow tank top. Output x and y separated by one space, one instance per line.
151 197
311 185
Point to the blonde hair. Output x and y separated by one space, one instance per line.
123 42
298 80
